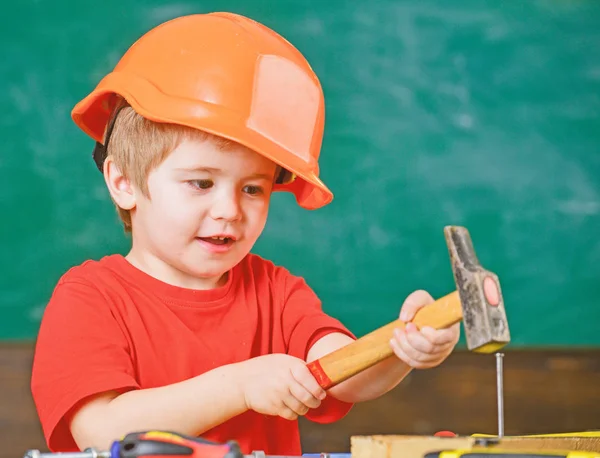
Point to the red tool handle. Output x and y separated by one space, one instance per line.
152 444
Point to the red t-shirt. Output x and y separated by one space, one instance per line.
110 326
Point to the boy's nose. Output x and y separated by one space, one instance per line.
226 206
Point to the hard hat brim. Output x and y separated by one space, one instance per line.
92 113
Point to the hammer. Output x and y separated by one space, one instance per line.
477 301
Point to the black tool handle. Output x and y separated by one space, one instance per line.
170 444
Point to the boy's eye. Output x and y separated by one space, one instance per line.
201 184
253 189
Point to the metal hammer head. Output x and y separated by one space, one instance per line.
484 316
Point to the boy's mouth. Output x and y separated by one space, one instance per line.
217 240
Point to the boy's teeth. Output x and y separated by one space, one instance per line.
220 239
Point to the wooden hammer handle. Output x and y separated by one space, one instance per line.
374 347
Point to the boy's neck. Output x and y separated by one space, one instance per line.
157 268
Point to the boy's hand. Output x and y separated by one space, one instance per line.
425 348
280 385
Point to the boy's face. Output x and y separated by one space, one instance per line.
198 195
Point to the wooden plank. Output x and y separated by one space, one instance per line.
393 446
403 446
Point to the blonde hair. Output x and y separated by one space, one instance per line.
138 145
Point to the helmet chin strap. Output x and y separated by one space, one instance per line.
285 177
100 151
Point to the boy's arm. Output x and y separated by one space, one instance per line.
188 407
412 348
274 384
367 385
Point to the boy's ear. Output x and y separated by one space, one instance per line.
119 186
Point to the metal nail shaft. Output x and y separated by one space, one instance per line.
500 393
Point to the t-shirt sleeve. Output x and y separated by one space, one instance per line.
80 351
304 323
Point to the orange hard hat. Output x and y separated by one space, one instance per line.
230 76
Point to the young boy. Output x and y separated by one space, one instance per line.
202 119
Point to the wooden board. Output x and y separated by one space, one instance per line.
417 446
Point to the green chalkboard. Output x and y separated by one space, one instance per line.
479 113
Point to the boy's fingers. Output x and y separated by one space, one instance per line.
304 377
416 341
416 355
292 403
442 336
417 348
304 396
401 353
415 301
287 413
438 341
